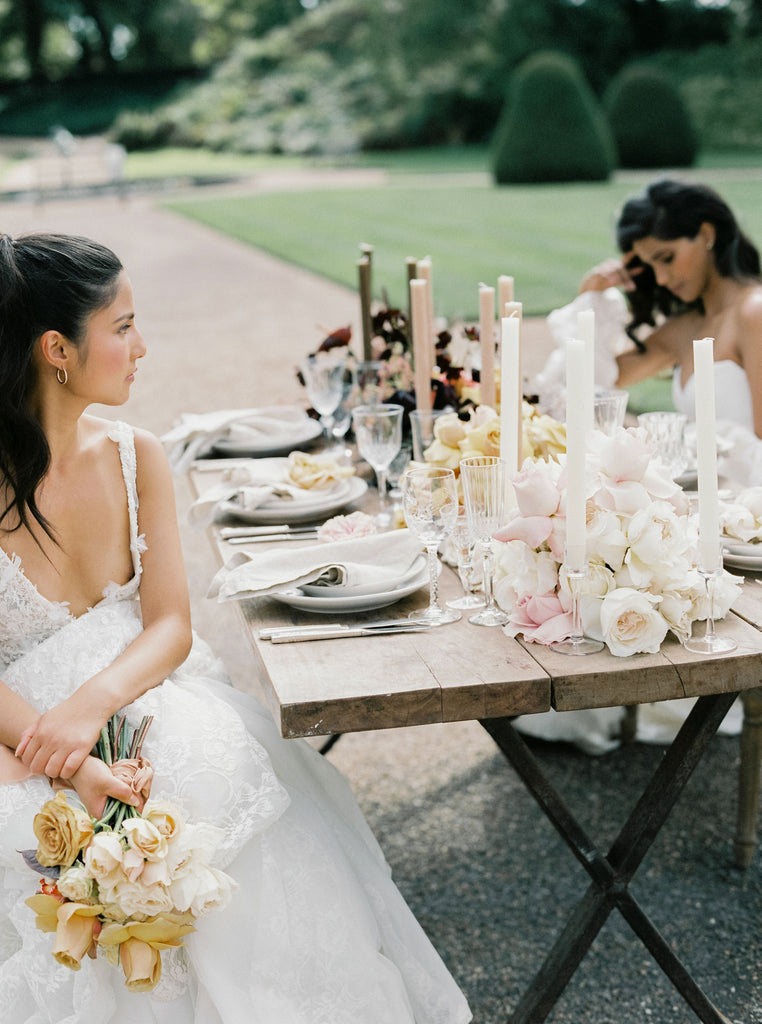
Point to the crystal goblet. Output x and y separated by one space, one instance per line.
430 497
323 375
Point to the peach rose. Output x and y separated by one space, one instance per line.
142 969
138 774
141 964
78 927
61 831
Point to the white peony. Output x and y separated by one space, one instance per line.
631 623
522 570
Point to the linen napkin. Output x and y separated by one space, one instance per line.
266 480
381 558
197 432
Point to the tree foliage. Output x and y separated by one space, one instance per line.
552 128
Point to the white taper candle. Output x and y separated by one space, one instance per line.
710 557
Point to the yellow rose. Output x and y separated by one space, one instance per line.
134 939
164 816
482 440
439 454
61 831
141 964
46 909
78 926
449 429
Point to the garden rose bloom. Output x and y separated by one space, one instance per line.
656 534
78 926
541 620
142 969
536 490
103 858
482 440
61 831
141 964
138 900
138 774
200 889
145 838
631 623
356 524
449 429
165 817
522 571
77 884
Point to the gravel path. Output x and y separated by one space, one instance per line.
484 871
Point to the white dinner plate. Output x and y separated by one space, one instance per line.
351 602
298 511
302 433
752 563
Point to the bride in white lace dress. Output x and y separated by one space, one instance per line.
93 619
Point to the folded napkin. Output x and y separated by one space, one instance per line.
382 559
197 432
251 485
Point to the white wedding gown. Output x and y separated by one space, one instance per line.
316 933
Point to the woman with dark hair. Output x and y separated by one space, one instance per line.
94 619
689 272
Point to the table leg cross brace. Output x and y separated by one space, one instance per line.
612 873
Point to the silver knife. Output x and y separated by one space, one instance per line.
267 632
337 634
266 538
260 531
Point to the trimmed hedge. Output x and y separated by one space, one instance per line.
552 128
651 125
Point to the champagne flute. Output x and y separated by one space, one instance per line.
483 479
323 375
378 431
430 496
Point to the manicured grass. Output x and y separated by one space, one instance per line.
546 236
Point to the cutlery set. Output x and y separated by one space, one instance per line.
266 534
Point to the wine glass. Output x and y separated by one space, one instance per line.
378 431
430 496
323 375
466 549
483 479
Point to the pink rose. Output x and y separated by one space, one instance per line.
537 494
356 524
540 619
532 530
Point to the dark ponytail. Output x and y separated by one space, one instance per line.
47 282
669 210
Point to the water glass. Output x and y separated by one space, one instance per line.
422 422
665 432
378 432
323 375
609 408
430 496
483 479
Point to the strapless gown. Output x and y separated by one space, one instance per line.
316 933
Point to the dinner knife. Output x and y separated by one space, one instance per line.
262 531
268 537
322 633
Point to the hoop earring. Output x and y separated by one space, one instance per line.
62 379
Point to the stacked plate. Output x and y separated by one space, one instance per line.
289 507
273 430
339 599
739 555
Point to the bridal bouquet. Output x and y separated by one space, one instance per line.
129 884
641 582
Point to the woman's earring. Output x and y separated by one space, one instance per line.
61 375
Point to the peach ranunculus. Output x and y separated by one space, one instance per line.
61 831
142 969
78 927
138 774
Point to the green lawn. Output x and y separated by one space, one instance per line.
545 236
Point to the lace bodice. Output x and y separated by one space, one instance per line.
26 616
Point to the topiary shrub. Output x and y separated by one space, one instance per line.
552 127
651 125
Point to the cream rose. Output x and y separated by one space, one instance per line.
103 858
145 838
630 622
77 884
61 832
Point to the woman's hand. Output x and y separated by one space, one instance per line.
611 274
94 784
60 740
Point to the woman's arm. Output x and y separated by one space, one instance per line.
58 742
660 354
